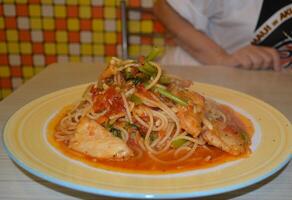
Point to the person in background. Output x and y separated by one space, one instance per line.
250 34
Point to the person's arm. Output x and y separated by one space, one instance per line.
205 50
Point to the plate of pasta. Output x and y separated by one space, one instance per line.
138 132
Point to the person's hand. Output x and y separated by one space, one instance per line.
253 58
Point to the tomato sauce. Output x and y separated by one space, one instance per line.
203 157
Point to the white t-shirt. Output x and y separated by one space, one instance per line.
230 23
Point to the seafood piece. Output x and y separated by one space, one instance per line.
108 72
194 99
94 140
189 121
227 139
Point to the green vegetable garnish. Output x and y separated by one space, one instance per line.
244 136
116 132
130 125
135 99
153 136
164 79
128 75
178 143
148 69
154 53
137 80
171 96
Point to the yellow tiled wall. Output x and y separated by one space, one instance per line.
35 33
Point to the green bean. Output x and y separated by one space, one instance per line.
171 96
154 53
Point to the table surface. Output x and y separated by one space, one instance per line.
272 87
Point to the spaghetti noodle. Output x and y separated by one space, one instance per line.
139 107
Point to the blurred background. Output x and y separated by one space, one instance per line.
35 33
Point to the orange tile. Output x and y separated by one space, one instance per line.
97 12
74 36
21 10
72 11
50 59
24 35
4 59
38 47
49 36
26 60
16 71
85 24
118 13
60 24
10 22
110 50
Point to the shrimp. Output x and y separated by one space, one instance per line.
94 140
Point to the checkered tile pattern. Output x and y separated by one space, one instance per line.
36 33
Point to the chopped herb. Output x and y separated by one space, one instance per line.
135 99
178 143
130 125
244 136
153 136
107 125
128 75
116 132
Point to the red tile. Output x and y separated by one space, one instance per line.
134 3
170 42
10 22
85 24
50 59
97 12
2 35
1 9
111 50
16 71
4 59
158 27
74 36
6 83
26 60
146 15
60 24
146 40
72 11
21 10
49 36
38 48
24 35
